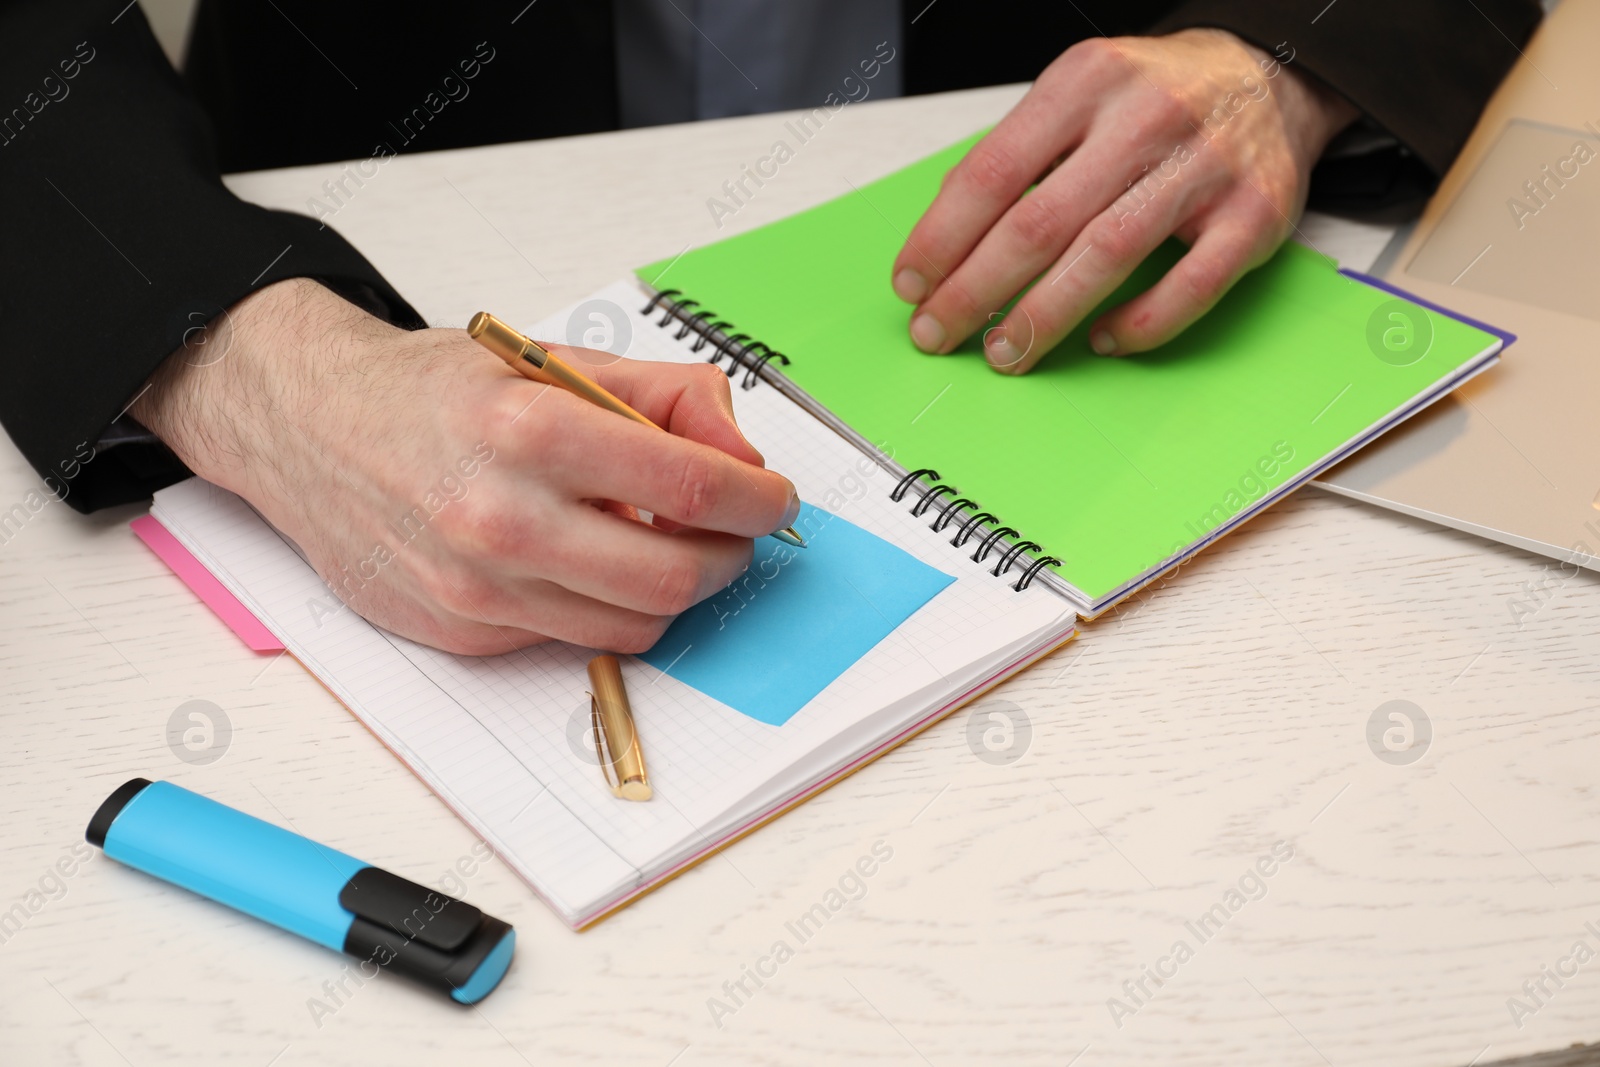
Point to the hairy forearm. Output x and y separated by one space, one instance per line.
232 402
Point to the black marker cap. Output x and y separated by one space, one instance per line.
416 931
106 814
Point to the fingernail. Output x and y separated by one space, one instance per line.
793 514
910 286
927 333
1103 343
997 349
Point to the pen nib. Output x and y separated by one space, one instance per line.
789 537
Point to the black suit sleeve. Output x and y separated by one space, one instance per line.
1420 69
120 237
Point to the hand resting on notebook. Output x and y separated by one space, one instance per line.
452 501
1130 140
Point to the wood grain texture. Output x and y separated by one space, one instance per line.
1171 747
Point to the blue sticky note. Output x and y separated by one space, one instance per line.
797 619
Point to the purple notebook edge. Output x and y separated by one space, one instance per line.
1505 336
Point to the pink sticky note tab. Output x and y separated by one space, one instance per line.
205 585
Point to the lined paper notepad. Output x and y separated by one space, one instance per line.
503 739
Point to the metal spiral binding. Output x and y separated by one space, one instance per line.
744 352
929 497
968 528
741 351
949 512
726 349
990 541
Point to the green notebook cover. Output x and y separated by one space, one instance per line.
1114 465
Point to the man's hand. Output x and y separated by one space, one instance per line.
452 501
1132 140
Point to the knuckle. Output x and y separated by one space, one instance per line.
953 305
464 595
993 169
1161 113
677 587
705 378
505 410
476 529
1116 243
1092 54
1038 223
698 489
1203 281
1033 323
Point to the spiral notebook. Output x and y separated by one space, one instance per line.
504 740
1094 475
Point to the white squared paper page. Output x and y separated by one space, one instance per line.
503 739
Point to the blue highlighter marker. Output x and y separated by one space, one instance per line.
306 888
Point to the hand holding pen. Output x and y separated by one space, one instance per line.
453 501
538 363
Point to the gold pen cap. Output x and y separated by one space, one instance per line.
612 716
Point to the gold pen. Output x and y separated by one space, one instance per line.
538 363
622 761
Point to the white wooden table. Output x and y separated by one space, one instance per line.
1171 746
